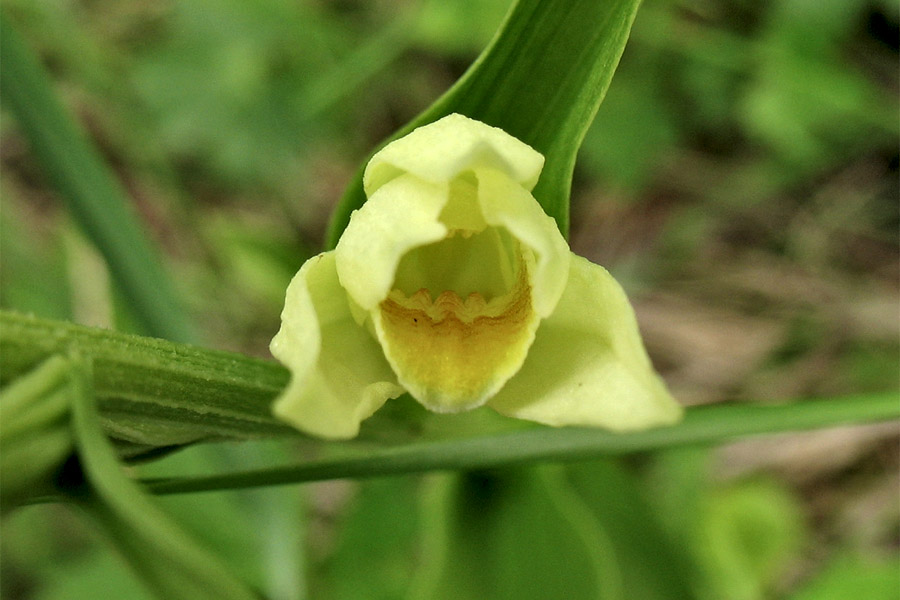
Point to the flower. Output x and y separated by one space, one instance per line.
452 284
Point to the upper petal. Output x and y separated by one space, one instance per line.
505 204
400 216
339 376
588 365
441 150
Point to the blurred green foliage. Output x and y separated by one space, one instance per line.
776 82
744 161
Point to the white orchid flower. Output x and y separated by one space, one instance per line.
453 285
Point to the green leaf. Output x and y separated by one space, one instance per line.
90 190
850 576
34 435
681 480
163 556
513 534
379 530
541 80
94 575
258 533
748 535
652 566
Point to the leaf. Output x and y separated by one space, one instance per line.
749 535
513 534
90 190
379 531
651 564
851 576
162 555
97 575
34 435
256 533
541 80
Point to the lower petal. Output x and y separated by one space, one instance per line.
339 376
588 365
454 354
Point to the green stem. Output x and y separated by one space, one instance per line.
701 425
153 393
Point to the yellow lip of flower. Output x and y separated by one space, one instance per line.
452 353
452 284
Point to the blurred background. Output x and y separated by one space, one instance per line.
740 180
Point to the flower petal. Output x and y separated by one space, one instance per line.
587 365
400 216
439 151
454 354
505 204
339 376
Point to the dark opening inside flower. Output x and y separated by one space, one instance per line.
452 284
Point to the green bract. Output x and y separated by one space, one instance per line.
452 284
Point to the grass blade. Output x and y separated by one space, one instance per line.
90 190
701 425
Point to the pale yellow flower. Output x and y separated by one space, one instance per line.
452 284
